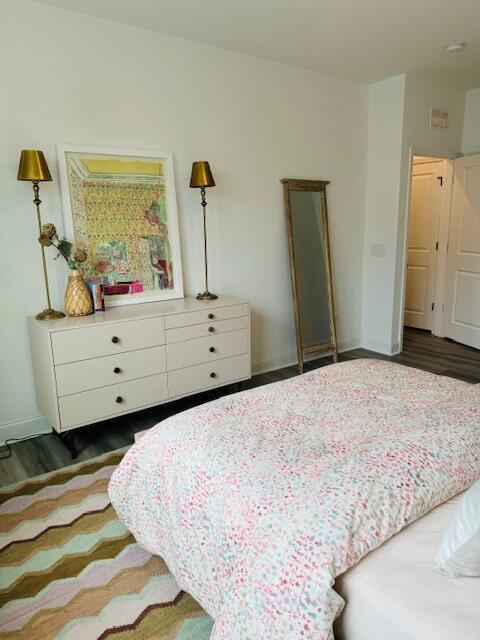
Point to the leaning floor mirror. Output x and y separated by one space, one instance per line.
310 267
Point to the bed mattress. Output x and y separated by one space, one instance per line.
259 500
394 594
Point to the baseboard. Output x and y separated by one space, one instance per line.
274 362
380 346
290 358
24 428
395 348
347 344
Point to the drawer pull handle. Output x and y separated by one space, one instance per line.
212 349
117 370
213 375
211 316
115 339
119 399
211 329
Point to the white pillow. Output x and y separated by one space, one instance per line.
459 552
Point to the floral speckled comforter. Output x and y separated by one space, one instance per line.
257 501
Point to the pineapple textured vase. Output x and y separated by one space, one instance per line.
77 296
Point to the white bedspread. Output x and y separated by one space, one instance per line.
257 501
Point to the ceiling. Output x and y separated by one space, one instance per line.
364 40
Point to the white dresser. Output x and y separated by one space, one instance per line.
100 366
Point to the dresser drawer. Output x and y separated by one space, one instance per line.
185 381
75 377
211 328
197 317
207 349
90 406
92 342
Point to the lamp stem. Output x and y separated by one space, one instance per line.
204 205
48 313
206 295
37 201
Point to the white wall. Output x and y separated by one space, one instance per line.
388 191
69 77
471 129
385 140
420 96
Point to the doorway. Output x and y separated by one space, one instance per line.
427 239
442 277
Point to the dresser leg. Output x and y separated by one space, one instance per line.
68 442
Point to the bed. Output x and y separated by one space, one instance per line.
258 501
393 593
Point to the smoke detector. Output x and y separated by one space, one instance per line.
455 47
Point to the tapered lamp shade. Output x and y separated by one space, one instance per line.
201 175
33 166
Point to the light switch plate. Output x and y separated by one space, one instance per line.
377 250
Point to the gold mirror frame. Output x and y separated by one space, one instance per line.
318 186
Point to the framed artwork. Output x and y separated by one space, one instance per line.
120 206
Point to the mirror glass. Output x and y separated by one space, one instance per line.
311 274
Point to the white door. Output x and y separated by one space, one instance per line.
423 226
462 290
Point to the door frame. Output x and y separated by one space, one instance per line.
444 225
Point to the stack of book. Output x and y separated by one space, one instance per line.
125 287
97 294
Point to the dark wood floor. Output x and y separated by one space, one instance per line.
47 453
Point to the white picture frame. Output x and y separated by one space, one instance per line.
166 274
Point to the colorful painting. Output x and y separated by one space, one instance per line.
120 206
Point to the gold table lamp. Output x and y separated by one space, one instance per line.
33 167
201 178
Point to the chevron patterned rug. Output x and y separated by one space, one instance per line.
70 570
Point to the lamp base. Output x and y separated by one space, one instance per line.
206 295
50 314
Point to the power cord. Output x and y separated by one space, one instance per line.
9 440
